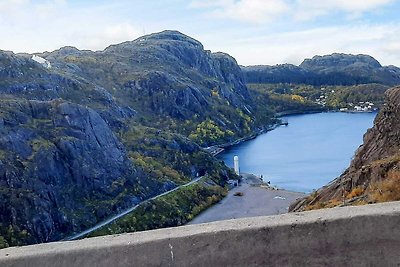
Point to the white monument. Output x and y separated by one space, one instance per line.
236 164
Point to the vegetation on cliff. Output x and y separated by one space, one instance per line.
174 209
282 101
308 97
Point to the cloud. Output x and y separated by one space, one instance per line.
379 41
309 9
7 5
49 8
35 26
254 11
260 11
40 25
209 3
354 5
107 35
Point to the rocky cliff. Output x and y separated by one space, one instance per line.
56 158
169 79
91 133
373 175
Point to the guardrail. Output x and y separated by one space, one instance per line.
349 236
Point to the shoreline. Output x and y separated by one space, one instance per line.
218 149
299 112
253 197
215 150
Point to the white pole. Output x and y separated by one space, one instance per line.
236 164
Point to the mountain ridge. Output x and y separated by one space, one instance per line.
333 69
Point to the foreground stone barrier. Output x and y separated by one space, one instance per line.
350 236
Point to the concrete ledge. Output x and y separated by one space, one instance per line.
350 236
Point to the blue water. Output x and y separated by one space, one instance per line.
305 155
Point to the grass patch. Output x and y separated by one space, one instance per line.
174 209
387 189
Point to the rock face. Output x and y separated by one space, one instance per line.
161 75
335 69
101 131
374 160
337 61
57 158
168 73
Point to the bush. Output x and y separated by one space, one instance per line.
174 209
356 192
387 189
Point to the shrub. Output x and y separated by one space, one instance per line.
356 192
387 189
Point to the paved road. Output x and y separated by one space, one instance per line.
125 212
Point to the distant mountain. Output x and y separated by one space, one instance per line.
335 69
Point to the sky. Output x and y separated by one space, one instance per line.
255 32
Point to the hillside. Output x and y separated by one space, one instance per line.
85 134
171 81
373 175
334 82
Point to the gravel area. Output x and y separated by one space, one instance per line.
257 199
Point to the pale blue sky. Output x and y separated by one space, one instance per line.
253 31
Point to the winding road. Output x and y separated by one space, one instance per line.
125 212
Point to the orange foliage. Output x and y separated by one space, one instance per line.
387 189
356 192
323 205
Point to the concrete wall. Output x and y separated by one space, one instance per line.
351 236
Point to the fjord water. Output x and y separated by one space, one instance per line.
305 155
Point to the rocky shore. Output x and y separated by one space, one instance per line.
218 149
